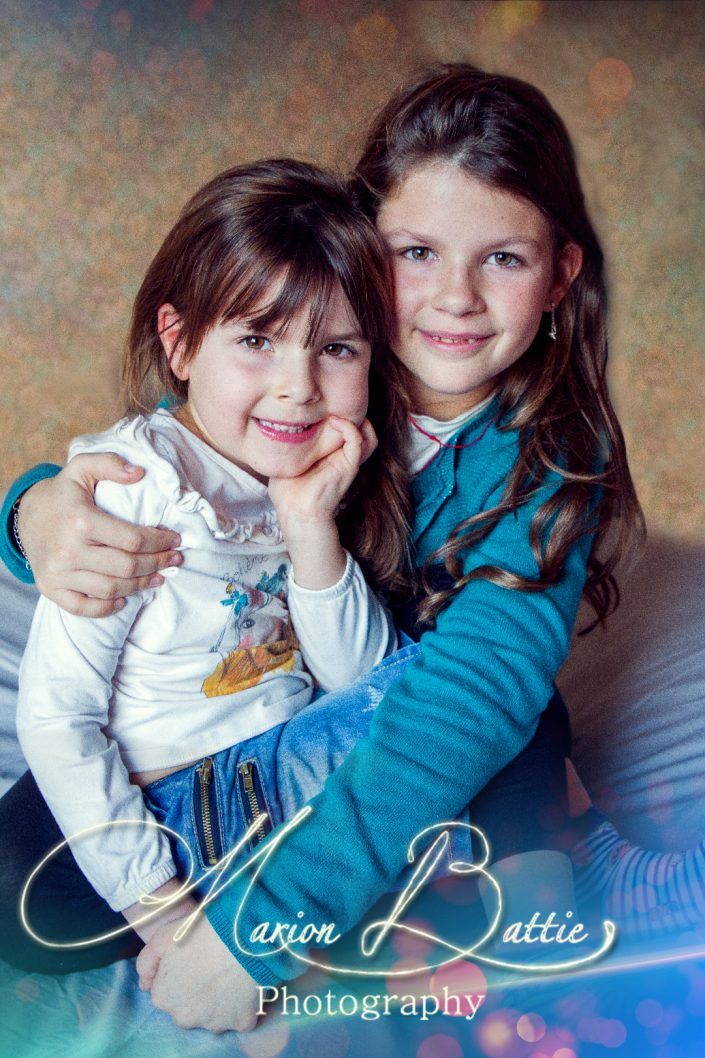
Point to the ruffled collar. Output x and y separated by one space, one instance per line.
198 480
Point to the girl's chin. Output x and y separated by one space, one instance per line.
291 463
286 473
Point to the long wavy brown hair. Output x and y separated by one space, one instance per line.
504 132
263 242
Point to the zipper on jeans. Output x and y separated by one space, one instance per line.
250 779
205 779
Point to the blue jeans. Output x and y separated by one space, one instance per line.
212 804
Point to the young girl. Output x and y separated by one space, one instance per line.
181 693
519 469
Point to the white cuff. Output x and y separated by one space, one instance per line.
332 592
126 896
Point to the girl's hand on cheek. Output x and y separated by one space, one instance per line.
314 496
306 505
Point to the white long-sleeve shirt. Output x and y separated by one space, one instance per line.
227 648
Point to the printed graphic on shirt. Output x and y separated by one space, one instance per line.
257 636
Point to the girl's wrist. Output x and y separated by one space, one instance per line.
318 560
9 552
303 530
317 575
137 914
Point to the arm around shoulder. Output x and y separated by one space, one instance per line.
80 558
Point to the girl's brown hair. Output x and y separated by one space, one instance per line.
505 133
262 243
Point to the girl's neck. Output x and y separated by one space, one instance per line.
443 426
446 406
185 416
423 400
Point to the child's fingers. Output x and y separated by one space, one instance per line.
330 439
151 955
355 440
369 440
147 965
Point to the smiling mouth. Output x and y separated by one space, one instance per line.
456 343
286 427
455 339
287 431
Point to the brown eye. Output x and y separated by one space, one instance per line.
338 350
504 259
418 253
256 342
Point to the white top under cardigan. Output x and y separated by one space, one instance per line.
227 648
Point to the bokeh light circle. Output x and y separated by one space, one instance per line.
410 947
439 1046
497 1037
649 1012
270 1040
531 1028
460 978
611 81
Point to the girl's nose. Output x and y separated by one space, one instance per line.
298 381
458 291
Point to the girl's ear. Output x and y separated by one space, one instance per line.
567 270
169 331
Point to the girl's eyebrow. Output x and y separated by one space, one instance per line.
525 239
407 234
352 336
428 240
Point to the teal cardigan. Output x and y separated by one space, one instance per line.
462 711
457 716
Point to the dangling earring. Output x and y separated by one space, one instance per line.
553 333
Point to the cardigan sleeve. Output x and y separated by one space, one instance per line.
461 711
9 552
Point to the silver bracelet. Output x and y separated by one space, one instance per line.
16 532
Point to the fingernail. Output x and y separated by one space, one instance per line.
174 538
129 467
118 604
176 559
155 581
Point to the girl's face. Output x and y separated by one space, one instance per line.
473 273
260 400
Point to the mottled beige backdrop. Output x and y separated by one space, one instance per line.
112 113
